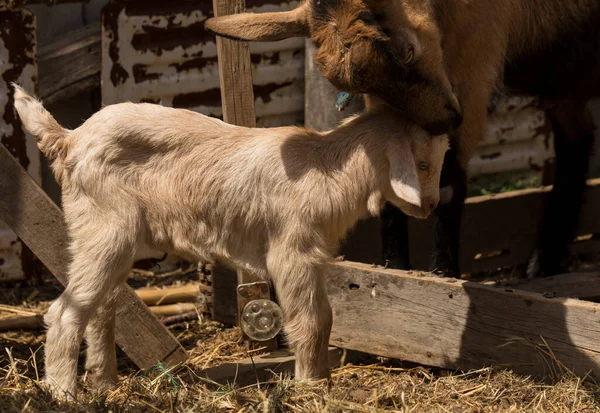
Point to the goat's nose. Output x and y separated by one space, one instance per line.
455 116
433 204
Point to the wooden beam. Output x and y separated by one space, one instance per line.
261 368
70 64
39 224
502 230
459 324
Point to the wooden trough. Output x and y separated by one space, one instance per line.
533 327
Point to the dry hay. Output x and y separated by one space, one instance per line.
373 386
370 385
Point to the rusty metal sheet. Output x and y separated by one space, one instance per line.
519 137
17 64
157 51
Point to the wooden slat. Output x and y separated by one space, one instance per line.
39 223
70 64
458 324
508 222
261 368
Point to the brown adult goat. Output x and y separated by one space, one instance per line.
409 52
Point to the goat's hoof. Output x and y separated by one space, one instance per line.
103 385
59 393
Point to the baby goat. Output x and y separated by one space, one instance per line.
139 180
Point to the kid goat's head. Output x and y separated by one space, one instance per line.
376 47
415 160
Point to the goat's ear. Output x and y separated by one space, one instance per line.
403 175
262 26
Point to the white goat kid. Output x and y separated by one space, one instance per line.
139 180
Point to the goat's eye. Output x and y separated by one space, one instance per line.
423 166
410 54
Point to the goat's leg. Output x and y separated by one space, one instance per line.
573 130
448 217
101 354
301 291
95 269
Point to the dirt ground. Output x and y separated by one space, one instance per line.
371 384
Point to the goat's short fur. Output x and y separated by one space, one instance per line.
139 180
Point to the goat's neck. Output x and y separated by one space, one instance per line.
355 184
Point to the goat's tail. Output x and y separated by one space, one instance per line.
40 123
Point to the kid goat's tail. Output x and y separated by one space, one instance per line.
40 123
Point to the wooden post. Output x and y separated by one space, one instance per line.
39 224
235 76
363 244
237 96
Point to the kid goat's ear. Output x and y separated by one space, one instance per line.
262 26
403 175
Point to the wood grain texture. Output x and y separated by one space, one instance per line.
458 324
261 368
39 223
235 74
506 223
70 64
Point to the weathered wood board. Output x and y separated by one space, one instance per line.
235 75
502 230
39 224
70 64
458 324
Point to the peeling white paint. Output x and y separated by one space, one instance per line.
284 104
11 267
518 139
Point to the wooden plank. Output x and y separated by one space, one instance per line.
261 368
583 285
235 75
458 324
70 64
39 223
507 224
